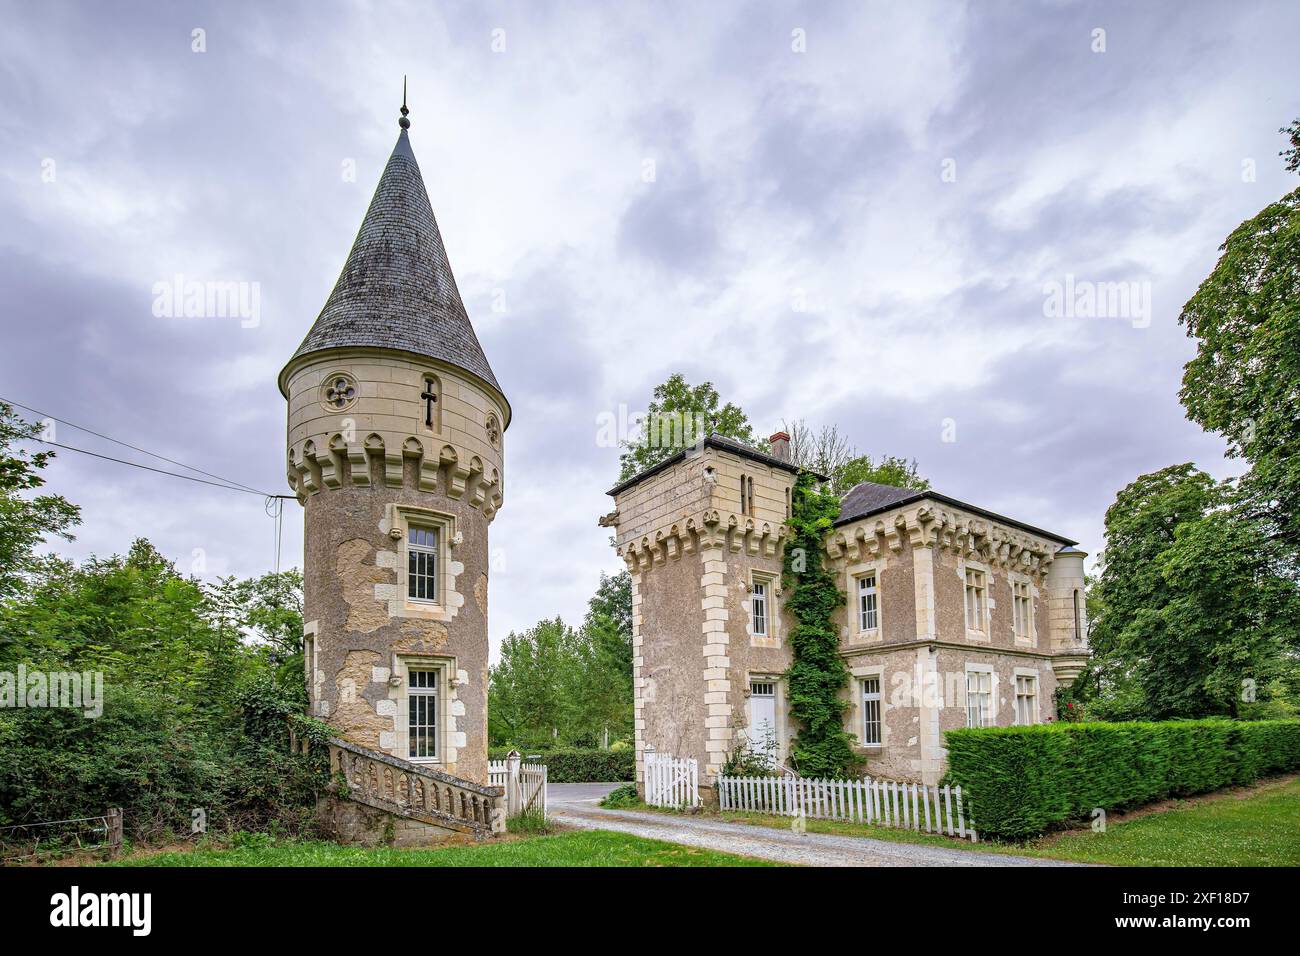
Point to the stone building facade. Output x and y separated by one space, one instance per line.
395 432
954 616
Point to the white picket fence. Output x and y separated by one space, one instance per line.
887 803
669 782
525 788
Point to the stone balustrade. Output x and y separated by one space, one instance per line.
413 791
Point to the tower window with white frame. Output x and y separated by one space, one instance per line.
871 704
422 714
868 602
976 599
1026 699
1022 607
759 598
979 699
422 563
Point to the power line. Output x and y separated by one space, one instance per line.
159 471
144 451
273 504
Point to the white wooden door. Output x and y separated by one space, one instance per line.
762 717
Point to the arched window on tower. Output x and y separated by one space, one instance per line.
1078 616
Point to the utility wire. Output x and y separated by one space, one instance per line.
144 451
159 471
274 504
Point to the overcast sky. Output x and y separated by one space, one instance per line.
841 212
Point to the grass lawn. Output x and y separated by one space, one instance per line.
1255 827
577 848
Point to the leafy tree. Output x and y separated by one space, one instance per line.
898 472
680 415
1244 379
1292 153
1194 599
528 689
613 599
25 522
196 711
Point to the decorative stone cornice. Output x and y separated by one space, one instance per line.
710 528
947 529
431 467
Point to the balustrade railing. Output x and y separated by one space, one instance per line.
390 783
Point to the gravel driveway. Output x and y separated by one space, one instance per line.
575 805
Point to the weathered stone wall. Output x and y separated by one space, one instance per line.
364 473
695 654
357 824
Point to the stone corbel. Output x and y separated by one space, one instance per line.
358 465
672 544
835 546
457 474
894 535
752 540
309 470
688 537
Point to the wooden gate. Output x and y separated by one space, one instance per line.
669 782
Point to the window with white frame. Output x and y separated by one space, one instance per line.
1022 607
868 602
979 698
1026 699
758 600
422 714
871 711
422 563
976 599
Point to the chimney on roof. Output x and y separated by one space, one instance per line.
780 445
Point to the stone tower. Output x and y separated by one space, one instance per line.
395 451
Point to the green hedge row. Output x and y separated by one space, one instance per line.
1023 781
579 766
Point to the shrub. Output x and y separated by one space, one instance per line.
579 766
623 795
1021 781
146 757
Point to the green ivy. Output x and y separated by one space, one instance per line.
818 677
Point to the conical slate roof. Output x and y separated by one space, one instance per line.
396 290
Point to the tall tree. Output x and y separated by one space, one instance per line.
1196 607
529 689
678 416
1245 379
25 521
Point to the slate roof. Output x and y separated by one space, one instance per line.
714 440
396 289
869 498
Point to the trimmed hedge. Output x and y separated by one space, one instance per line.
1022 781
579 766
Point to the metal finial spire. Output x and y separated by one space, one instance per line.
404 122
